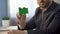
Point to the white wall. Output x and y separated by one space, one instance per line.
15 4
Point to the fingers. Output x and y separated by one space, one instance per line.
10 32
16 32
18 16
23 17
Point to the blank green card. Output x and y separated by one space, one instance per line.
23 10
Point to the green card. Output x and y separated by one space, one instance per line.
23 10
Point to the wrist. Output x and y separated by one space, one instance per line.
21 27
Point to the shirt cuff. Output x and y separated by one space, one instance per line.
20 26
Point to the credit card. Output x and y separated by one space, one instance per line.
23 10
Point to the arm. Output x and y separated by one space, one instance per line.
31 23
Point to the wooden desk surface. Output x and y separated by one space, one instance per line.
5 30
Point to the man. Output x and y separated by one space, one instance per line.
45 21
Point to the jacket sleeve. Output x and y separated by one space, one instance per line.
31 23
52 28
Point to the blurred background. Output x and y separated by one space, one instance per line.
10 8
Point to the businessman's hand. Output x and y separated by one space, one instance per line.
21 20
16 32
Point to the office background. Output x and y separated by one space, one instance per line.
10 8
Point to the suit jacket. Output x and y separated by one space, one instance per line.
50 24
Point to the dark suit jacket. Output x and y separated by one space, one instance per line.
50 24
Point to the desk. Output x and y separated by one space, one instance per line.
5 30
